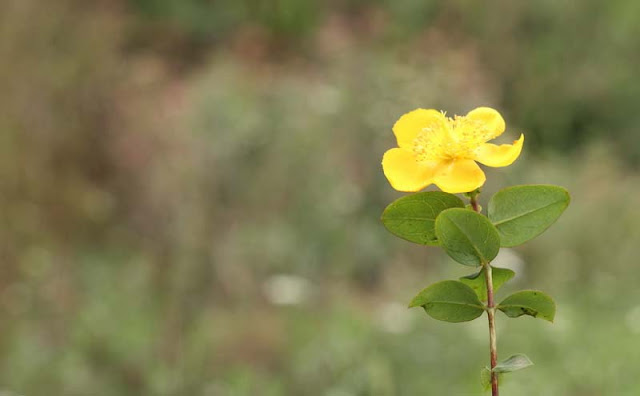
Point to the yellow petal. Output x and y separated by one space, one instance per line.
496 156
459 176
404 172
492 122
409 125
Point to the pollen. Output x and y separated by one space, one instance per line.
470 131
429 144
457 138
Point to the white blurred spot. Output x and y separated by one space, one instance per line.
632 319
394 318
508 258
286 289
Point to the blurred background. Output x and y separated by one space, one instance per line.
190 194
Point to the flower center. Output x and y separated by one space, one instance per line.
457 138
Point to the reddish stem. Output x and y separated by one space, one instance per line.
493 347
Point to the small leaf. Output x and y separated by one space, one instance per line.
485 378
449 301
468 237
521 213
413 217
529 302
514 363
478 282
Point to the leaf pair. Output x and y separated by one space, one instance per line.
433 218
454 301
478 282
518 214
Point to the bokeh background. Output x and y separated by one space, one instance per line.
190 194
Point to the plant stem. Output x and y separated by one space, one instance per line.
474 203
493 348
491 310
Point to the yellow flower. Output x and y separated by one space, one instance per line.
435 149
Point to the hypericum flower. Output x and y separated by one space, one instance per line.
435 149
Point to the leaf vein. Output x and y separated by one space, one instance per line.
497 223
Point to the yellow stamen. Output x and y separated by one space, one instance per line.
455 139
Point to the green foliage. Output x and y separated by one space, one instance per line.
449 301
532 60
513 363
516 215
467 237
413 217
521 213
89 166
529 302
478 282
211 19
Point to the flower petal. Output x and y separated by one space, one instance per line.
409 125
404 172
497 156
459 176
491 120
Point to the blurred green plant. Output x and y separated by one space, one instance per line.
566 81
145 206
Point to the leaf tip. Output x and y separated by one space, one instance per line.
414 303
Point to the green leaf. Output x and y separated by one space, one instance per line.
468 237
529 302
450 301
514 363
412 217
478 282
485 378
521 213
